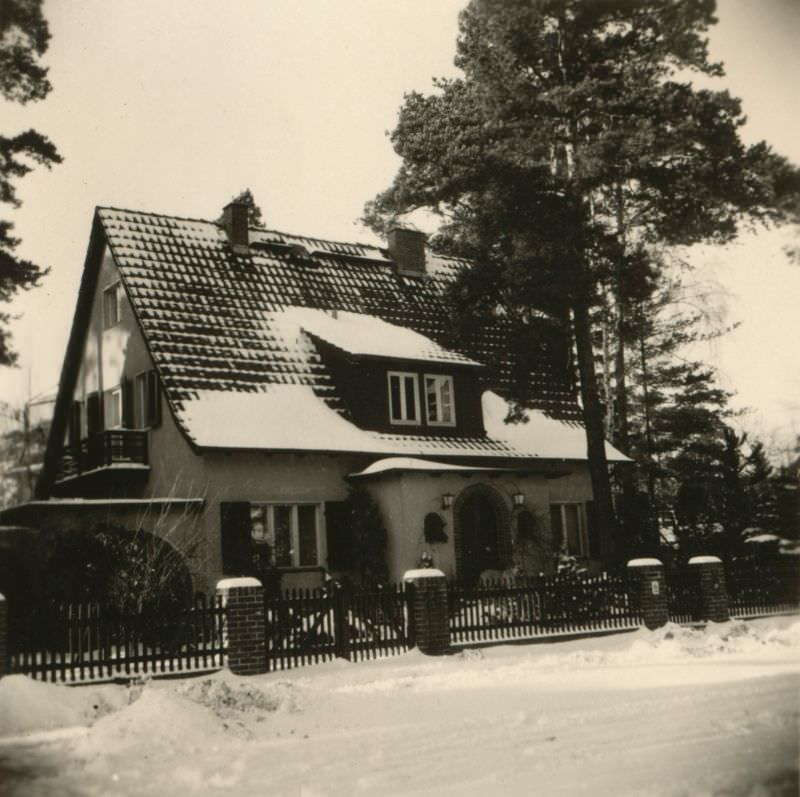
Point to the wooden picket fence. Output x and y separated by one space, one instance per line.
684 602
306 626
83 642
756 588
507 609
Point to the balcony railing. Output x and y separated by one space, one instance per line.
111 447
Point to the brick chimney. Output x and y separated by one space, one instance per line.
407 248
234 220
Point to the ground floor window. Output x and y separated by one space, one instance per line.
287 535
569 528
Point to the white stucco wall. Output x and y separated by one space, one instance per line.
405 498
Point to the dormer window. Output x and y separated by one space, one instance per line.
112 305
439 400
403 398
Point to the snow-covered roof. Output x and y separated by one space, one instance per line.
268 420
763 538
413 464
365 335
211 317
540 436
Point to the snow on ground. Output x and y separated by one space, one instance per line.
672 712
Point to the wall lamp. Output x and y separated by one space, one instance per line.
447 500
518 499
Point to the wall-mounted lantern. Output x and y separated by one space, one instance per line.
447 500
519 499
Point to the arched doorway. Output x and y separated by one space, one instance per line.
482 532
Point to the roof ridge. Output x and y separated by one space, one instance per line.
317 238
153 213
251 227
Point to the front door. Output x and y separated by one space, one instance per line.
479 537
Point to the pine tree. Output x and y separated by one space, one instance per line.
24 37
566 128
254 216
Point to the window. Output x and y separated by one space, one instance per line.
112 305
568 525
112 408
286 534
146 400
439 400
403 398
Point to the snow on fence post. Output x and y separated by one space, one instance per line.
428 610
713 594
3 635
243 599
649 590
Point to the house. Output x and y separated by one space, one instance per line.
226 386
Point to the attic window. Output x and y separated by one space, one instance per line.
403 398
439 400
112 305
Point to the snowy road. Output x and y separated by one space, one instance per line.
675 712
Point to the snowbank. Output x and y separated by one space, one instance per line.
669 712
27 705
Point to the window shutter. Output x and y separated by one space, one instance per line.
153 400
556 528
237 547
128 421
595 551
75 425
94 413
339 535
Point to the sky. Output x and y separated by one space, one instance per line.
176 107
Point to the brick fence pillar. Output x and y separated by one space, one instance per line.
246 634
649 589
713 594
3 636
428 609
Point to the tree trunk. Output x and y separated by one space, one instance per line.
593 422
653 538
621 427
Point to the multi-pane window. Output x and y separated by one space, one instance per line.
403 398
439 400
112 408
568 525
112 305
287 533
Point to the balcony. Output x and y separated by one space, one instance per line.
114 449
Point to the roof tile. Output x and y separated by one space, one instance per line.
209 315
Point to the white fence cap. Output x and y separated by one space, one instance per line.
704 560
236 583
645 562
423 572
